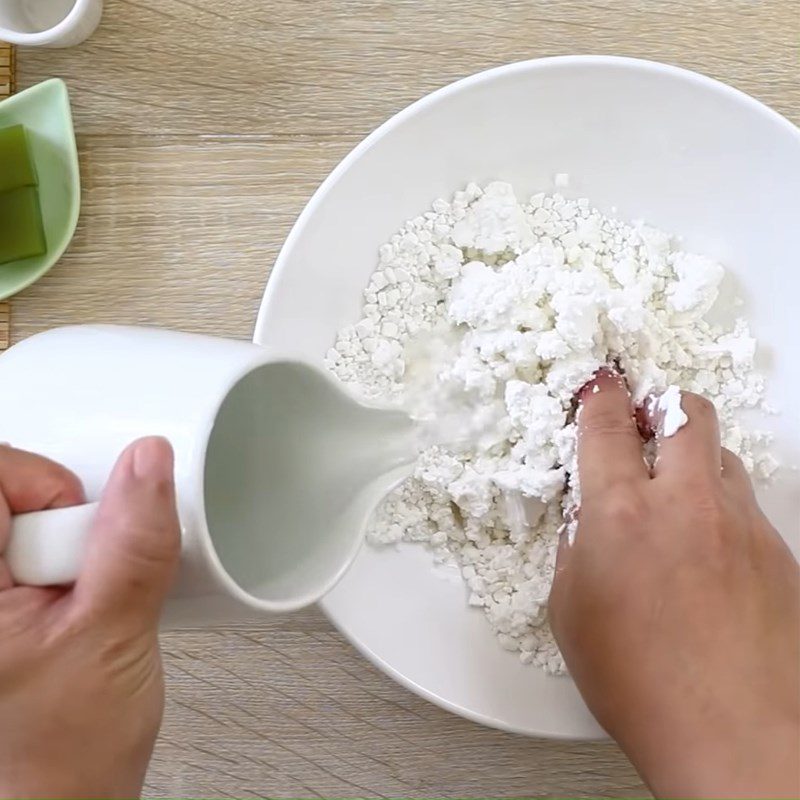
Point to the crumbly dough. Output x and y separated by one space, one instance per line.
484 317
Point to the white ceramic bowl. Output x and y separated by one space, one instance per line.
680 150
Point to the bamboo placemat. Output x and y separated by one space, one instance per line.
5 325
7 70
7 87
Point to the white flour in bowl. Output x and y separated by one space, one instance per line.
486 315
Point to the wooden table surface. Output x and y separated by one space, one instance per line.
203 128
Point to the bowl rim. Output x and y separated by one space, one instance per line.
418 106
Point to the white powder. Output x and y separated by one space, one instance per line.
485 316
669 404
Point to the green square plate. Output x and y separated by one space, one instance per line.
44 111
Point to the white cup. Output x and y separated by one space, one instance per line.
277 468
49 23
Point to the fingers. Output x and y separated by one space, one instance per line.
32 483
735 475
733 469
134 545
609 445
693 452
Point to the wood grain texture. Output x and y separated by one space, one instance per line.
288 709
202 129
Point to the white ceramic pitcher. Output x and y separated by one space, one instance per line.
277 468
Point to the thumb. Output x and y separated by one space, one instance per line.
134 545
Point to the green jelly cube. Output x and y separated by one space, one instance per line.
21 230
16 164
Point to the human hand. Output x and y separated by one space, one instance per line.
81 687
677 608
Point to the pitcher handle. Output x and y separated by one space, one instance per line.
46 548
